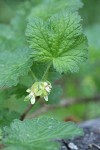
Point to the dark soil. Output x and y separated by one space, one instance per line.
90 140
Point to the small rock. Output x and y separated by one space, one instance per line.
72 146
64 148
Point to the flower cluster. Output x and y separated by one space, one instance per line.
41 89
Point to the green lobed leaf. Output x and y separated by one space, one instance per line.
58 40
38 134
13 65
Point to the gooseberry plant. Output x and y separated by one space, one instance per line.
41 43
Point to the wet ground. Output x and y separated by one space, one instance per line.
90 140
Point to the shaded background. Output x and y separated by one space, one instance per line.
83 86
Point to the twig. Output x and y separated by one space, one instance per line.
96 146
63 103
26 112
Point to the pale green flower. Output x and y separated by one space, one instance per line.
41 89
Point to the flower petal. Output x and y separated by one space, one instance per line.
28 90
46 98
50 86
31 94
33 100
47 89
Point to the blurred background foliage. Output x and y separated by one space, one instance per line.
85 83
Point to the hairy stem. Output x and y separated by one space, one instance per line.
33 75
46 71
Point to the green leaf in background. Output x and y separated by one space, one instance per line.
38 134
0 134
7 116
8 39
58 40
13 65
55 95
90 12
49 7
92 33
19 21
